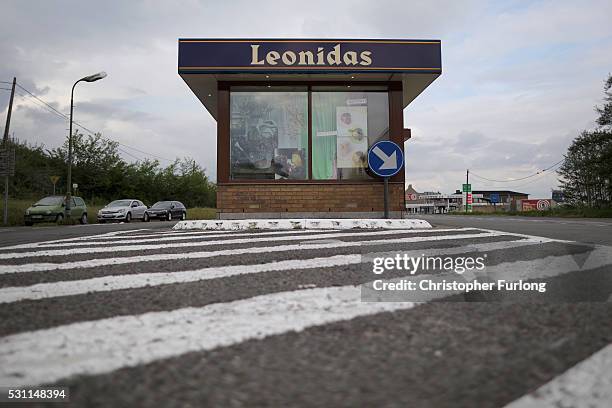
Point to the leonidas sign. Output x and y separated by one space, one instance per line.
320 57
216 55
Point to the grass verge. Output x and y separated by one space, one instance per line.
16 210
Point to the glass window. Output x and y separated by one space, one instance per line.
119 203
269 134
53 200
344 126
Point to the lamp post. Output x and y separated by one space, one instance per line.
90 78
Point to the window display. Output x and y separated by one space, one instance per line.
344 126
269 132
269 135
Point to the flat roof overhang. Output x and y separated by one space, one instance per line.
203 63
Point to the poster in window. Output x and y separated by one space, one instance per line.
289 163
352 141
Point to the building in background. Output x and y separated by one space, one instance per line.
483 201
295 120
431 202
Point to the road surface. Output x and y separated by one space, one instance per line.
141 315
587 230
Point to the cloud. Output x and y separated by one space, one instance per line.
520 78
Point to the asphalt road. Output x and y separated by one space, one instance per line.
45 232
140 315
587 230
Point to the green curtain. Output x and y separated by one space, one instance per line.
324 120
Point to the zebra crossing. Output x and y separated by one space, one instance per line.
100 308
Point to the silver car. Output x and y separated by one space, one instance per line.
123 210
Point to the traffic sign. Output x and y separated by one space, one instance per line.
494 198
54 179
385 158
467 188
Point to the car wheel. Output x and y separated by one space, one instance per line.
146 218
101 221
128 217
29 223
169 216
83 219
59 218
184 216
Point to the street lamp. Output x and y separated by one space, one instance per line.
90 78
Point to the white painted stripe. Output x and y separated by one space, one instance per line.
587 384
549 266
108 235
542 268
132 281
92 263
74 251
101 346
526 235
173 233
180 237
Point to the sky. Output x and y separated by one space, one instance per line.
520 78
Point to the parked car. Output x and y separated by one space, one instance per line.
51 209
168 210
123 210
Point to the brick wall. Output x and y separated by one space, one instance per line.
257 198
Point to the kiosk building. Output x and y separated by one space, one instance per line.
295 119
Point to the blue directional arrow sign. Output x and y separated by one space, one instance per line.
385 158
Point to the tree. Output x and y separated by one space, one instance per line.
605 112
93 159
587 169
102 175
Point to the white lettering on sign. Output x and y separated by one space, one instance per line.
333 57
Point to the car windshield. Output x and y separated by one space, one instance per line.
120 203
162 204
50 201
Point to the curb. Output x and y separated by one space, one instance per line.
292 224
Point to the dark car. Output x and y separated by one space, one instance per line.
167 210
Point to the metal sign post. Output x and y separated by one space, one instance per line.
467 191
54 180
385 159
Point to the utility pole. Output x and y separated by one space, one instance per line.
467 182
5 141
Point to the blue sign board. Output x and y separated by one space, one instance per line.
385 158
300 55
494 198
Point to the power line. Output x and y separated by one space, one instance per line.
543 175
91 132
41 106
518 179
36 97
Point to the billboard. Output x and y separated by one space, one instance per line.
536 205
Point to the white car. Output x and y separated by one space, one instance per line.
123 210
